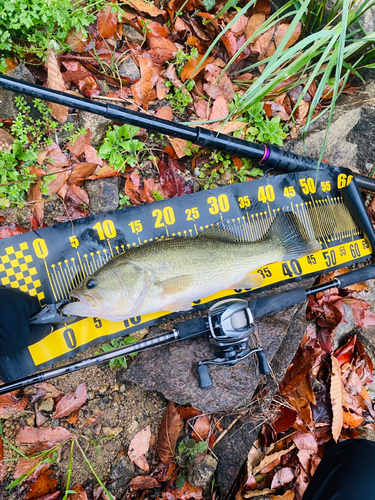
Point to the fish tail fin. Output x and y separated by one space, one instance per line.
288 232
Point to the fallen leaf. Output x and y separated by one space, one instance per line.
179 146
301 364
55 158
267 43
11 230
165 112
254 23
154 29
50 496
55 81
40 419
145 7
188 412
201 429
258 493
148 80
189 70
187 492
305 441
94 418
171 74
273 109
88 86
75 40
170 428
3 465
285 419
77 195
224 84
80 172
336 399
283 476
345 353
74 418
52 436
6 141
80 493
107 21
91 155
268 459
132 188
143 483
60 181
77 148
288 495
219 109
229 127
43 485
351 419
140 443
230 42
71 402
37 207
163 44
10 404
239 26
172 178
142 463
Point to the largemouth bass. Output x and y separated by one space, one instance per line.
170 274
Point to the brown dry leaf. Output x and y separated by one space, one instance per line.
255 22
163 44
302 363
165 112
94 418
268 42
187 492
143 483
171 74
230 42
71 402
170 428
35 195
55 435
80 173
258 493
55 81
50 496
149 77
142 463
225 84
179 146
161 88
59 182
202 109
107 21
132 188
3 465
6 141
91 155
336 398
305 441
351 419
303 109
75 40
24 466
201 428
77 195
74 418
55 158
140 443
43 485
43 390
229 127
78 146
39 418
147 8
239 26
219 109
10 404
288 495
268 459
276 109
79 494
189 70
283 476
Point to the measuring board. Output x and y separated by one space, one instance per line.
50 262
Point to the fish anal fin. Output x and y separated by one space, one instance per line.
178 305
177 284
250 281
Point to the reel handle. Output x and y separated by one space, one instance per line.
264 367
205 380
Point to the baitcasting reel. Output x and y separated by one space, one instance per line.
231 323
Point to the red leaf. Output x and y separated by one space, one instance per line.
43 485
283 476
132 188
52 436
172 179
10 404
219 110
140 443
58 158
154 29
80 493
305 441
91 155
40 419
43 390
202 428
143 483
286 419
170 428
11 230
187 492
230 42
188 412
3 466
78 146
71 402
88 86
50 496
107 21
275 109
80 173
77 195
94 418
345 353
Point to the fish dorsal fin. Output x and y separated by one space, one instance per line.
218 231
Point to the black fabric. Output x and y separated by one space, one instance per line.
15 332
346 472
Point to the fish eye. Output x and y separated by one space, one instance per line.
91 283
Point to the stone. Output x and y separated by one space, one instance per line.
47 405
131 35
103 194
344 328
129 69
122 474
8 108
201 473
96 123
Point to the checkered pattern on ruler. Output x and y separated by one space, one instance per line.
17 271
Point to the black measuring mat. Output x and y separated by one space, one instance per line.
50 262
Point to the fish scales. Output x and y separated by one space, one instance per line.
170 274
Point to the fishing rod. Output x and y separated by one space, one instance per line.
229 327
267 155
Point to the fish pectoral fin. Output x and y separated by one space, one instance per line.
178 305
177 284
250 281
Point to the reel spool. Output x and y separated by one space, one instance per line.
231 324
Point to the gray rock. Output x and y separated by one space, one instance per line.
129 69
201 472
96 123
344 329
103 194
8 108
104 87
350 140
122 474
132 35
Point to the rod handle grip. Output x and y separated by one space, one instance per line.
205 380
264 367
363 274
